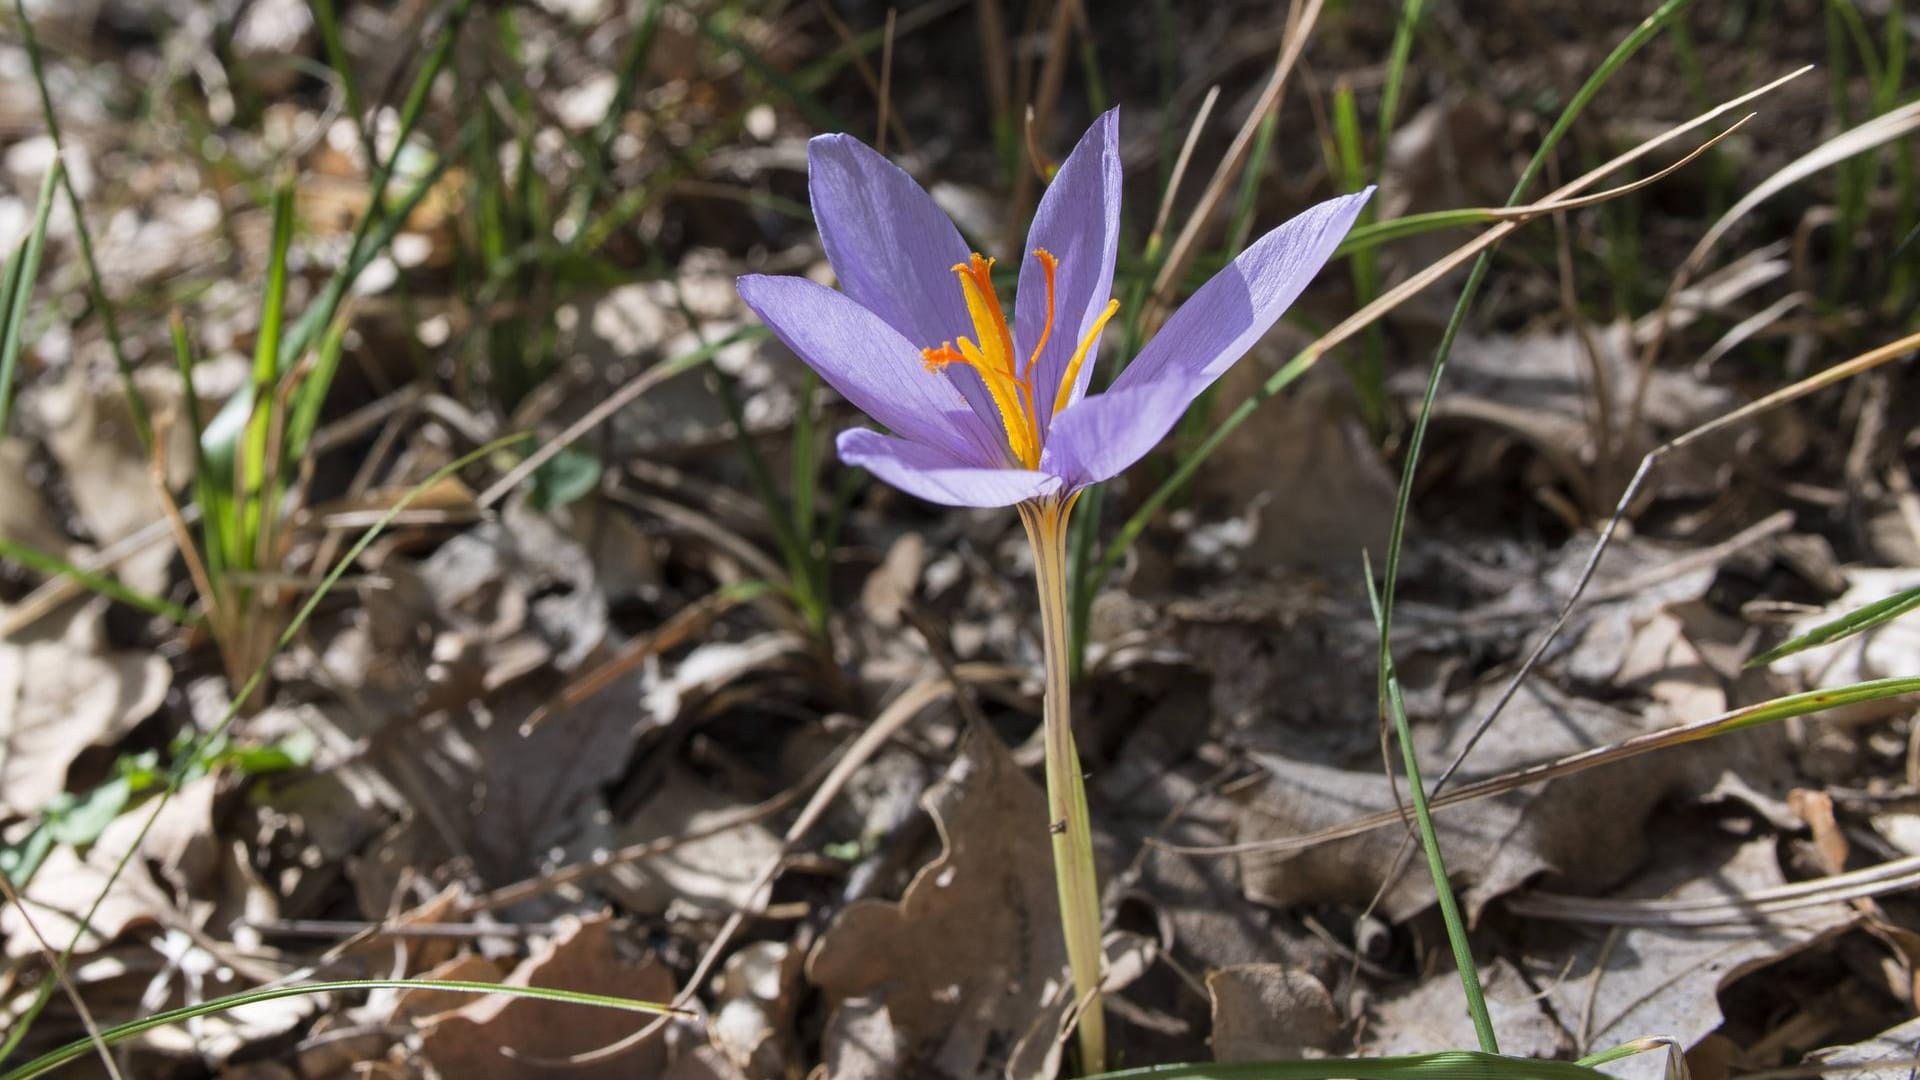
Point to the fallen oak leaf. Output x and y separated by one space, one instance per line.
965 958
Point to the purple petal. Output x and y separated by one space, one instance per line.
1098 437
936 476
893 251
1242 302
867 361
1079 222
891 247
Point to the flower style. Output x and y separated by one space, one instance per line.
987 412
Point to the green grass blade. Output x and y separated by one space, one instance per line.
120 1033
1368 371
312 392
1386 680
18 282
223 431
1624 51
257 487
44 563
1396 708
1643 1045
337 58
366 242
213 499
1854 622
1809 702
1371 234
1444 1065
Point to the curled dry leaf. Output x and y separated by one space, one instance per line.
967 956
586 956
1262 1012
1494 844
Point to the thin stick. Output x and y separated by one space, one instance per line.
876 84
1038 112
1844 370
1881 129
1136 523
1229 167
1180 164
1895 875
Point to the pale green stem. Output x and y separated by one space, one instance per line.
1067 817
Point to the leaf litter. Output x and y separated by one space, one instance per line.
519 775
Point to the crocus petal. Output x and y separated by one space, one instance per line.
1098 437
893 250
1079 222
1242 302
891 247
940 477
867 361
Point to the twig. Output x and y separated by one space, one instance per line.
1179 173
1235 157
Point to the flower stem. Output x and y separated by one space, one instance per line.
1072 828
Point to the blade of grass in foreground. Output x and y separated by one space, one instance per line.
1396 537
1853 622
1444 1065
1396 708
119 1033
239 696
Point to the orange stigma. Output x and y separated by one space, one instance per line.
1009 383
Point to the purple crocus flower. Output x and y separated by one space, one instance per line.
990 413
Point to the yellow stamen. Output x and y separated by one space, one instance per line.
1049 264
983 304
1080 355
1009 383
1007 395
